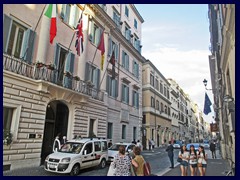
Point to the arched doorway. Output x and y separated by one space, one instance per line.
56 122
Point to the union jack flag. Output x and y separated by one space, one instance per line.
79 40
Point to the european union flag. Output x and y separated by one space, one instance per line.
207 104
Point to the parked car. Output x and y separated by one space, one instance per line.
180 142
206 145
196 146
77 154
113 150
176 146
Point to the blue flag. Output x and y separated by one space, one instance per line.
207 104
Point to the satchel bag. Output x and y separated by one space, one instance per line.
179 159
146 169
199 164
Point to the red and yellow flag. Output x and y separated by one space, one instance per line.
101 47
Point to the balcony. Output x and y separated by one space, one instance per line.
52 76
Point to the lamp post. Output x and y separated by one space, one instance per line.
205 84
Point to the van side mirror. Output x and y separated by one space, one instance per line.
84 152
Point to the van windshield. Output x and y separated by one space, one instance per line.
115 147
71 147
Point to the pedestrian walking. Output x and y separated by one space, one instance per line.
193 161
153 144
134 141
110 143
139 145
138 161
57 143
184 155
121 163
202 161
170 153
64 140
149 145
213 149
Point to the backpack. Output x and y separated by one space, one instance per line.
146 169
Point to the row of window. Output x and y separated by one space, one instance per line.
127 15
124 131
160 108
163 89
125 64
133 39
112 89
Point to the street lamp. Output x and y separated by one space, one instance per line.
205 84
228 99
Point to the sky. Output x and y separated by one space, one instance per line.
176 40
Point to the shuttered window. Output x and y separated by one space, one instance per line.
18 40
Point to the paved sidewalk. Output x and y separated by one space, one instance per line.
215 167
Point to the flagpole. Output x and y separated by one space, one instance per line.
75 31
106 69
97 47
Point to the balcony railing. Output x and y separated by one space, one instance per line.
50 75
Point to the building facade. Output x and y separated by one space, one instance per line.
49 89
156 106
222 68
124 100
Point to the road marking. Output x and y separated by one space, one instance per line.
150 154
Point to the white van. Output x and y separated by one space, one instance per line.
78 154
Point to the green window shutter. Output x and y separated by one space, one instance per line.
113 89
138 100
123 92
108 85
133 97
91 26
128 95
87 72
72 59
98 78
110 46
123 58
63 10
67 14
67 68
28 45
116 88
127 62
76 18
116 52
72 16
97 38
137 70
7 24
56 63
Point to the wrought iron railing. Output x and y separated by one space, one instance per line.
50 75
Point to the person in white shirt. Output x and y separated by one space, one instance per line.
202 160
139 145
193 160
184 155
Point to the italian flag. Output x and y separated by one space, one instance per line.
51 13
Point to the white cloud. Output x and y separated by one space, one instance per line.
188 68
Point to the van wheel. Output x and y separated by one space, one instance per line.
75 170
103 163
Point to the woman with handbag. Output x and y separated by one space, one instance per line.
202 161
193 161
138 161
184 155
